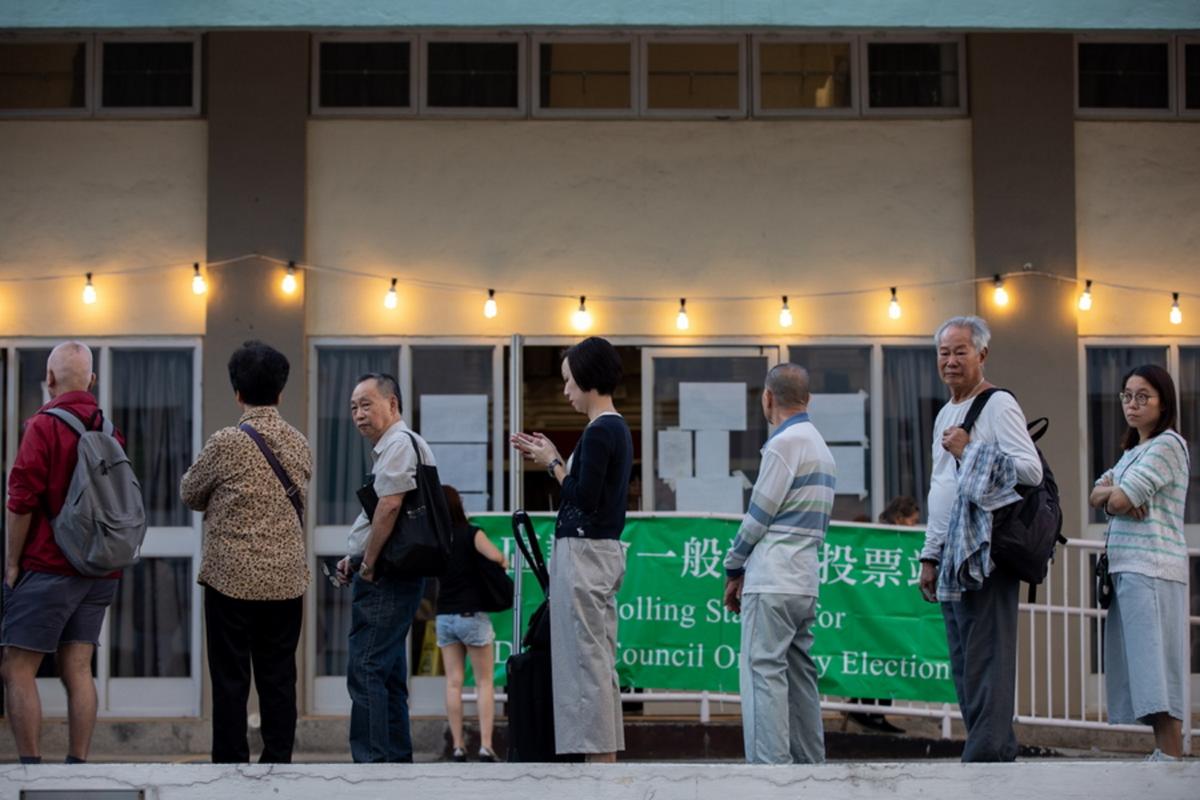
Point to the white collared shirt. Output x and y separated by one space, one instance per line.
394 465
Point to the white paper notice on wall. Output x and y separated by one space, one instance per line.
454 417
716 495
712 454
840 417
712 406
474 502
674 454
851 469
463 466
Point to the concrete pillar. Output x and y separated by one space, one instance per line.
257 109
1023 163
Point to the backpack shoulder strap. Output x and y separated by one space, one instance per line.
1037 428
73 422
977 407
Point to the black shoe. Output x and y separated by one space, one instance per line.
876 722
486 756
459 755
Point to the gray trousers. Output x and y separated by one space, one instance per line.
781 707
981 630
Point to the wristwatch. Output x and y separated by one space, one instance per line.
550 467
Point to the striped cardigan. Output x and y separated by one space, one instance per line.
1153 474
778 544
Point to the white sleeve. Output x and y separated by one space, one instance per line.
1013 438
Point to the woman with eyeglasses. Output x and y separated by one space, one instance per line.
1146 637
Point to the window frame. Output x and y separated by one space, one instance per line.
89 85
520 39
162 697
854 110
537 111
1181 45
643 76
1173 81
111 112
908 112
414 78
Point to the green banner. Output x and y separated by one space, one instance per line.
874 638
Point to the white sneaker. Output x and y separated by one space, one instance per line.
1159 755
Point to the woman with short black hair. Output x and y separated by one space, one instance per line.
588 560
254 568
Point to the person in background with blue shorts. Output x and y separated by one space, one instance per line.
464 629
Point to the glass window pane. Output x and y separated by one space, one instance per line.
1106 423
796 75
151 620
913 394
1191 72
333 622
147 75
840 377
32 393
1189 425
691 75
473 74
585 75
744 446
41 75
1124 75
152 405
365 74
459 428
913 74
344 454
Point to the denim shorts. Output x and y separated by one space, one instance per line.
43 611
473 631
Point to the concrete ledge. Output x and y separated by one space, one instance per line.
930 781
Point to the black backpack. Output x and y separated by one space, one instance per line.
1025 532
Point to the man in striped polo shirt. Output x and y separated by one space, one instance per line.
772 579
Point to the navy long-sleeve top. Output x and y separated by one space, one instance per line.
596 489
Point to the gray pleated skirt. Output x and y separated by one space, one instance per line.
585 575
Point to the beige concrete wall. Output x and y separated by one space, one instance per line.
97 196
640 208
1138 207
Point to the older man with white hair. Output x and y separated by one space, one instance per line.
981 621
48 606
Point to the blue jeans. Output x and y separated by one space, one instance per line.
377 676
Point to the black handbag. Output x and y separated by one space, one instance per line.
419 546
495 587
1104 582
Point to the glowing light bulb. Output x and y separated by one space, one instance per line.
390 300
681 319
582 318
489 307
894 306
785 314
1176 313
89 291
1085 299
289 280
199 286
1000 294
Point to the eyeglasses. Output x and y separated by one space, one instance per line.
1138 400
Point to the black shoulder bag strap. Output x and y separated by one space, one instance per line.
977 407
293 491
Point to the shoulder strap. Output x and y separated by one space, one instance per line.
417 447
74 422
293 491
977 407
1037 428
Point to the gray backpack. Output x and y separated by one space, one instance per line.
103 521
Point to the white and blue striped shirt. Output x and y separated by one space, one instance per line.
778 545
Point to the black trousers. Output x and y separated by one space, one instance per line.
258 634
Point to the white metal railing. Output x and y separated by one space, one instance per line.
1061 644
